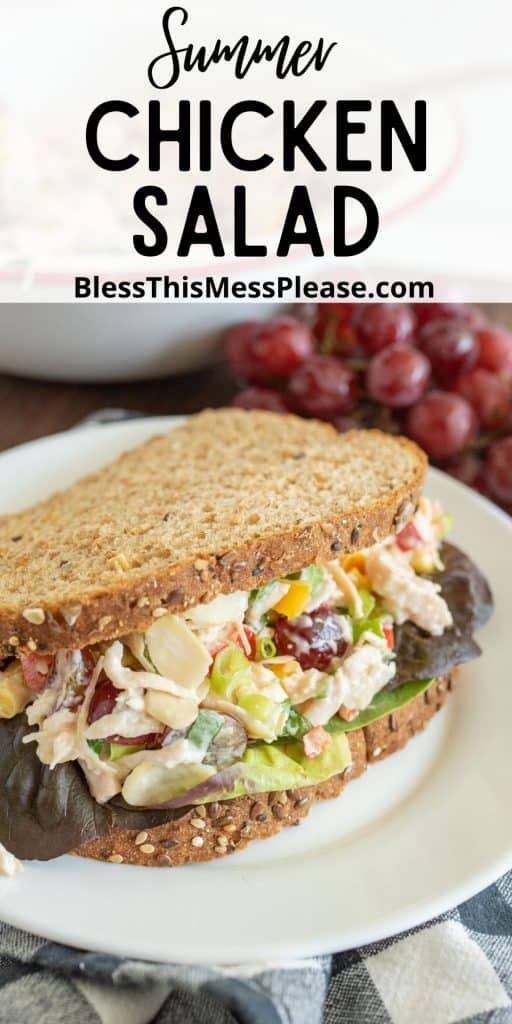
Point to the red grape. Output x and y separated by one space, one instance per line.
397 376
427 311
498 470
260 353
495 345
451 347
281 345
314 639
103 703
380 324
239 355
442 423
487 394
103 700
333 325
323 387
261 398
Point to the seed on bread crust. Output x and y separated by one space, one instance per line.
71 613
35 616
164 861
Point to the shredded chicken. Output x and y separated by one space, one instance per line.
362 674
406 595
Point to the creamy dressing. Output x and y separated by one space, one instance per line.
175 655
353 685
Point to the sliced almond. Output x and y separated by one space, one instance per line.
172 711
176 652
71 613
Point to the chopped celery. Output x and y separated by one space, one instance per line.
296 725
118 750
263 710
204 729
265 647
99 746
368 603
228 668
374 625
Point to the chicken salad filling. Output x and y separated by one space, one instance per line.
286 666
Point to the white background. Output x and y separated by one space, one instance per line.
452 224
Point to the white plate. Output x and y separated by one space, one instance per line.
414 836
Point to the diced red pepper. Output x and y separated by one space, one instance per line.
37 669
316 741
409 537
250 636
389 633
235 638
153 740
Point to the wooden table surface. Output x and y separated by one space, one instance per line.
31 408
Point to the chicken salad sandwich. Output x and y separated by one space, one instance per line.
225 625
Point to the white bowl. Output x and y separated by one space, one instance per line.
116 342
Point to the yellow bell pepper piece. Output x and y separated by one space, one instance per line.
285 669
422 561
295 600
355 564
355 561
14 694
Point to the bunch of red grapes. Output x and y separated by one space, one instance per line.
439 372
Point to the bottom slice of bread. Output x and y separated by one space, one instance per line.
216 829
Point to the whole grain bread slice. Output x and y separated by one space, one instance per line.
227 501
217 829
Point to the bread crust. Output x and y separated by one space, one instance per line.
216 830
83 616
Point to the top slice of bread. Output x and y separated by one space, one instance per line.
226 502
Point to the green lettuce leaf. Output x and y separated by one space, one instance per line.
44 811
384 703
270 767
469 598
